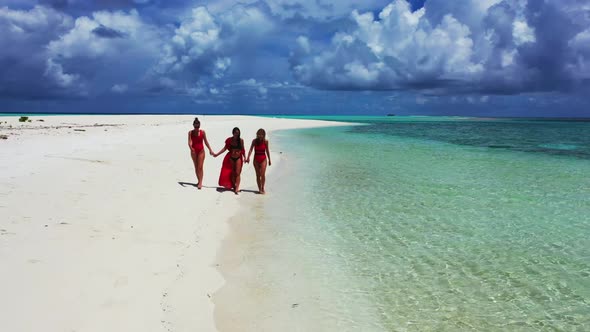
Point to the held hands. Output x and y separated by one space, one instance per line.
247 160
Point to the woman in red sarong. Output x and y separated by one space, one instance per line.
196 138
261 151
231 168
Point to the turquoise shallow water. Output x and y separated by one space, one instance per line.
440 225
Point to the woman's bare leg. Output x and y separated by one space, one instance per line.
262 175
196 164
238 172
199 167
257 169
232 177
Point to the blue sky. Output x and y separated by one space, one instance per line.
433 57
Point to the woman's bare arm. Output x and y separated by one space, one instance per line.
268 153
220 152
207 142
250 152
190 141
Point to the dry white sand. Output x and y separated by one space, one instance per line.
102 228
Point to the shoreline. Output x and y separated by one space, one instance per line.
273 282
243 261
101 227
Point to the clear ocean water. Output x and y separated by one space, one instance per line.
435 224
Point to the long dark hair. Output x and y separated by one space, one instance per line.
239 134
263 132
195 121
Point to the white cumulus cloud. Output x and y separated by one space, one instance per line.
495 46
398 48
523 33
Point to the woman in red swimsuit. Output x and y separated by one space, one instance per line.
196 137
231 168
261 151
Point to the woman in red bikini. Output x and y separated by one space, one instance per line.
231 168
261 151
196 137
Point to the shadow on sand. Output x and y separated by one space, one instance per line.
222 189
219 189
184 184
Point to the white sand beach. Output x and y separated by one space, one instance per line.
102 227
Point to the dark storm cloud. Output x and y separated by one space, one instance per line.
446 47
201 49
105 32
92 5
47 53
27 71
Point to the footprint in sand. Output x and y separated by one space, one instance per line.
5 232
121 281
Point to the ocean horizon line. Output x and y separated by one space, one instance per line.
312 116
